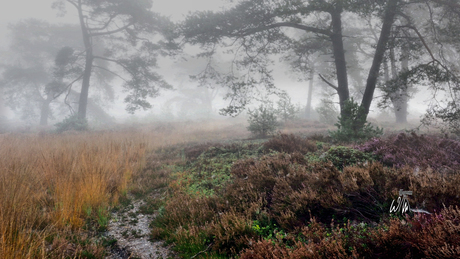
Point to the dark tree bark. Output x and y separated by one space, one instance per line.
83 102
388 21
339 55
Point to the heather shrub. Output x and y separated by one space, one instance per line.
185 221
342 156
312 241
210 171
320 138
293 190
430 189
289 144
231 232
270 205
416 151
263 249
235 150
184 210
420 236
190 240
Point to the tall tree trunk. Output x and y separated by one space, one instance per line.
339 56
402 100
83 102
45 111
388 21
2 107
310 94
400 107
399 97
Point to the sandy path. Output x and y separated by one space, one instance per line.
131 230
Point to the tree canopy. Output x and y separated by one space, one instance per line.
128 30
260 28
41 66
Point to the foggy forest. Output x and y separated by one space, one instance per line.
244 129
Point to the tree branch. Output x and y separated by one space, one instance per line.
105 25
72 3
113 73
111 32
114 61
328 83
423 41
68 104
453 5
65 88
285 24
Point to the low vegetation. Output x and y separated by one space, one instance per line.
292 196
57 190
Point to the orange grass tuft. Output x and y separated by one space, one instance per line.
51 184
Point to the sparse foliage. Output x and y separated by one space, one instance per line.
286 110
43 66
72 123
327 111
263 120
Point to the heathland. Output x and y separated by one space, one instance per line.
297 194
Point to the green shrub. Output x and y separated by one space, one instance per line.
286 109
327 112
72 123
344 156
263 120
354 128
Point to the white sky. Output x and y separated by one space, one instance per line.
15 10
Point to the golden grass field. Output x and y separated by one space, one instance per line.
50 184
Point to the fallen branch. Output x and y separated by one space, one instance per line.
207 248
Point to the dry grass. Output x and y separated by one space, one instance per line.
51 185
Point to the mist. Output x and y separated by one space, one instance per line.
192 91
229 129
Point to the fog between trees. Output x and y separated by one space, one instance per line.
322 54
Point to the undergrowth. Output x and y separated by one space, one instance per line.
293 197
57 190
288 197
